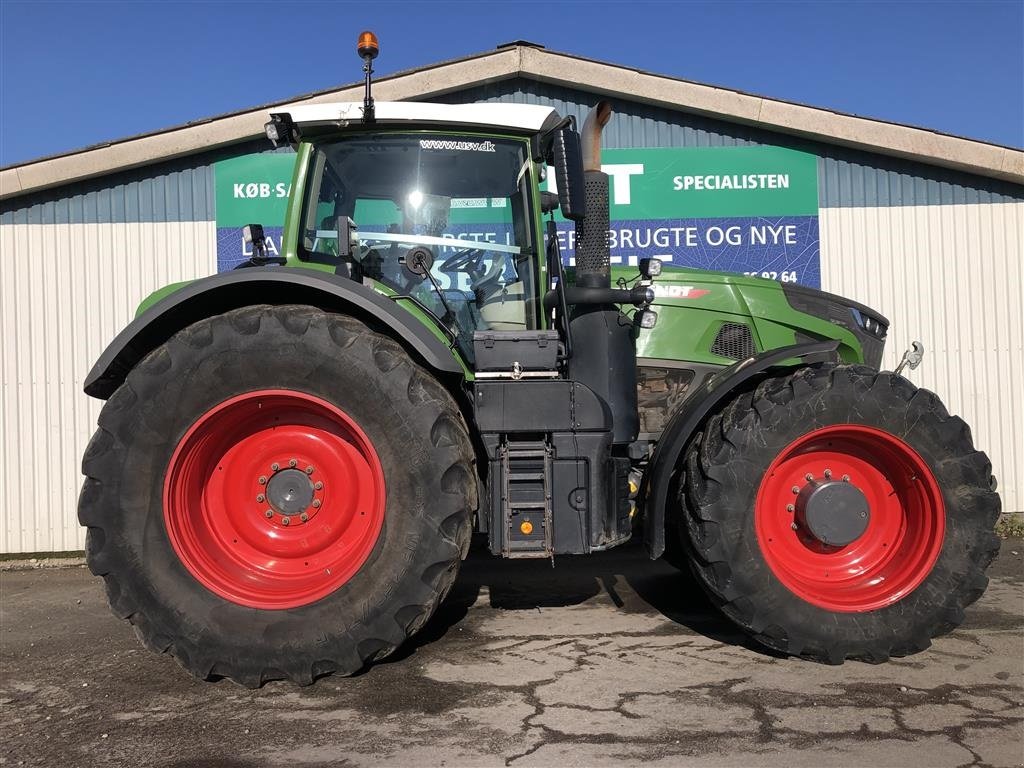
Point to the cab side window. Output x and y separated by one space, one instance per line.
325 202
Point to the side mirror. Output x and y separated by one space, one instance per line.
348 237
568 157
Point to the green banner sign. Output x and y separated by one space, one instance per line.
742 209
711 182
253 189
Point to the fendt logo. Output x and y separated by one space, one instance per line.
679 291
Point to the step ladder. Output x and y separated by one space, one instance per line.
526 498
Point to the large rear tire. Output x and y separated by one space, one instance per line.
278 492
839 513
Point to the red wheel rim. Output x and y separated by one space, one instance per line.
274 499
903 534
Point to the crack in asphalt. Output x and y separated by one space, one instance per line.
485 684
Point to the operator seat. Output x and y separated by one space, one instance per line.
503 307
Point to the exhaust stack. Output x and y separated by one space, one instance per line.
591 139
593 257
604 355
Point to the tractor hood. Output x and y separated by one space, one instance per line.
692 305
870 327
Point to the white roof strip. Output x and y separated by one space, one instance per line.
523 117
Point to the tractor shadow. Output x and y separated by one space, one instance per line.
625 576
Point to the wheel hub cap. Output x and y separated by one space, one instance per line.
290 491
834 512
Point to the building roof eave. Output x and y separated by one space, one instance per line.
237 127
823 125
828 126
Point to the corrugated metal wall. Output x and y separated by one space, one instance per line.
59 308
937 251
951 276
77 261
175 191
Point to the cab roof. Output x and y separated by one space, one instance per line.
523 118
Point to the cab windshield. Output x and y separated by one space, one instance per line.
462 198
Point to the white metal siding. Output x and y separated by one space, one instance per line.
66 290
950 276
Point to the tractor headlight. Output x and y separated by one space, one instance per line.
871 325
280 129
650 268
648 318
252 233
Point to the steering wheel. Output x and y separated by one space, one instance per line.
468 260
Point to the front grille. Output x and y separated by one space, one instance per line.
735 341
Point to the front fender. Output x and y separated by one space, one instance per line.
696 409
264 285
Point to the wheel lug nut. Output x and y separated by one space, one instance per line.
846 478
275 466
269 513
309 470
303 517
285 520
794 526
293 462
795 489
318 485
263 479
828 473
790 508
808 477
316 503
260 498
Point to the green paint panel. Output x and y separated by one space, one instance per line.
693 304
157 295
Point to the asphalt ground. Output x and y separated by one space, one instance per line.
606 660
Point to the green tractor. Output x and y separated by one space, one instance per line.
294 455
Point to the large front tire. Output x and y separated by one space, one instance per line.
839 513
277 492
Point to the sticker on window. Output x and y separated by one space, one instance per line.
462 146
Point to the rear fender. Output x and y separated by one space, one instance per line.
704 401
264 285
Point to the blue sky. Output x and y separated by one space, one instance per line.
79 73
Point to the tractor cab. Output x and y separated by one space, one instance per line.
437 203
